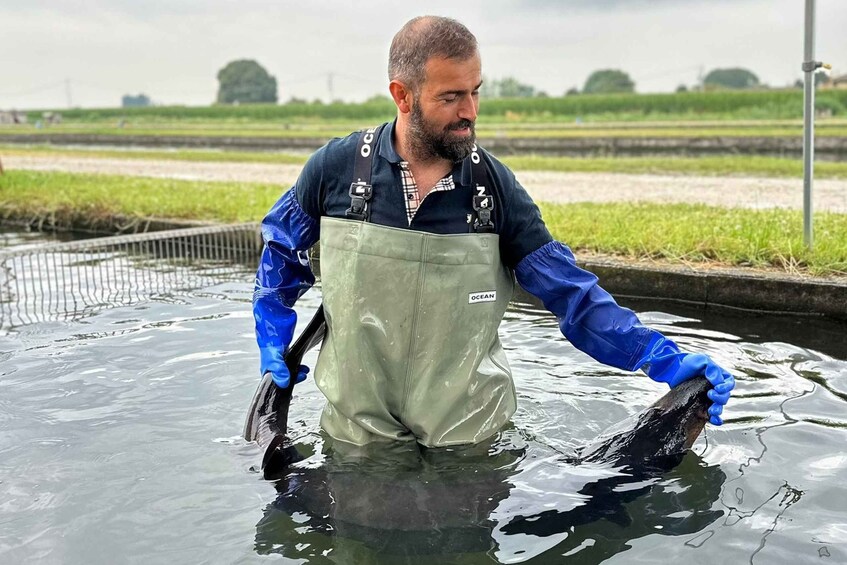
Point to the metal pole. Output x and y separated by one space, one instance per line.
809 67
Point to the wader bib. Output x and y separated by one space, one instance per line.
412 351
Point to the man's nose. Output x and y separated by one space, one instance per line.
469 108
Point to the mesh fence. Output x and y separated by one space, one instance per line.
63 281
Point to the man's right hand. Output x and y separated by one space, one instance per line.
273 362
282 377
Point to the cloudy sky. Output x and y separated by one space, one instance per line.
91 52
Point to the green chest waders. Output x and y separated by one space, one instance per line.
412 351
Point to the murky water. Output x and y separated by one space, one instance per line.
119 443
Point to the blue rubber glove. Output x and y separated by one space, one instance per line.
282 377
665 363
273 363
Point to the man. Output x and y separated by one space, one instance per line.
420 233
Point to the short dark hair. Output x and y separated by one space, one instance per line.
421 39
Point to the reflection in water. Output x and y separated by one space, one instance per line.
507 499
398 499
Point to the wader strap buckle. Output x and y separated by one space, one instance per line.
361 190
483 205
360 195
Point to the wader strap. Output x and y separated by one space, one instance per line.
483 199
361 190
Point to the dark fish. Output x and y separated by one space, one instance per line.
662 431
267 418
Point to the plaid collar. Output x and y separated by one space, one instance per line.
412 196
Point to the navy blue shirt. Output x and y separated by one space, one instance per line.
324 183
588 316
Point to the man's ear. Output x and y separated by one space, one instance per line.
402 96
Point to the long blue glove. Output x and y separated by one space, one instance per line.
594 323
665 363
588 315
284 274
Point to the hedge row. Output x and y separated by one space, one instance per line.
766 104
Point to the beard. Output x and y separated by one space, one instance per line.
428 141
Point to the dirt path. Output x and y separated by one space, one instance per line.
829 195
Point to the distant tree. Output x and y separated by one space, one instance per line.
682 88
572 91
734 78
130 101
378 98
245 81
508 87
607 81
541 94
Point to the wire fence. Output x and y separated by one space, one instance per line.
66 281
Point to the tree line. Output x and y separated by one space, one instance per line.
245 81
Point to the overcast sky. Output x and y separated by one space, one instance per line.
94 51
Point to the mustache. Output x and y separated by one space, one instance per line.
461 124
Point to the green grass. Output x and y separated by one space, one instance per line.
707 166
81 198
698 233
677 233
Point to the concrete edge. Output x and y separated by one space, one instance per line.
744 289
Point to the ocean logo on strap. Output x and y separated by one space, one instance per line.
485 296
368 139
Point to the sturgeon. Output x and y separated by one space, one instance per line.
267 417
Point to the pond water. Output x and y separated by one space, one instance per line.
120 443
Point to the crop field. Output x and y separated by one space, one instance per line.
740 113
738 105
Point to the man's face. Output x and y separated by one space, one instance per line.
444 110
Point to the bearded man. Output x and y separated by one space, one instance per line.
422 236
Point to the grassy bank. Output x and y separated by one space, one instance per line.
68 199
677 233
704 166
703 234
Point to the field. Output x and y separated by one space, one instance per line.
724 105
730 114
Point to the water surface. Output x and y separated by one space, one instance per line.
120 425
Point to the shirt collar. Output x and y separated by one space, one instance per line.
461 171
386 143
